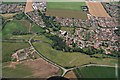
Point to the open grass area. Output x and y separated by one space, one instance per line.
9 48
68 29
15 26
95 72
23 26
66 59
35 28
20 71
66 5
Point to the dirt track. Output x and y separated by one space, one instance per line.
96 9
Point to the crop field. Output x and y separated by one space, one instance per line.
66 5
67 13
66 59
66 9
95 72
96 9
9 48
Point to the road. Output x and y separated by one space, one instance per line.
59 66
49 61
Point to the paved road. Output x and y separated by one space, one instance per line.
53 63
49 61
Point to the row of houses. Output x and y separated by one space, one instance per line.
24 54
11 8
39 6
98 34
113 9
35 17
93 21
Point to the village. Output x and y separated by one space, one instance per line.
11 8
97 32
73 40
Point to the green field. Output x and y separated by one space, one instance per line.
20 71
66 59
68 29
20 26
95 72
13 26
66 5
9 48
66 9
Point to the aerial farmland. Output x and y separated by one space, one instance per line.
66 9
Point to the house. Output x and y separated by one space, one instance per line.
84 8
21 54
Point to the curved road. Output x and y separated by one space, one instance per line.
49 61
53 63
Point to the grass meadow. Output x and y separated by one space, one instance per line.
95 72
20 71
66 5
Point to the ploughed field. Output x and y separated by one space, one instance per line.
67 13
66 10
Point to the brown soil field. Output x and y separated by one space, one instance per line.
41 68
71 75
96 9
66 13
28 7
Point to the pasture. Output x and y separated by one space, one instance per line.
15 26
66 59
23 26
20 71
95 72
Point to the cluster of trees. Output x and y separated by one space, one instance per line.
19 16
117 31
58 43
22 16
49 22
